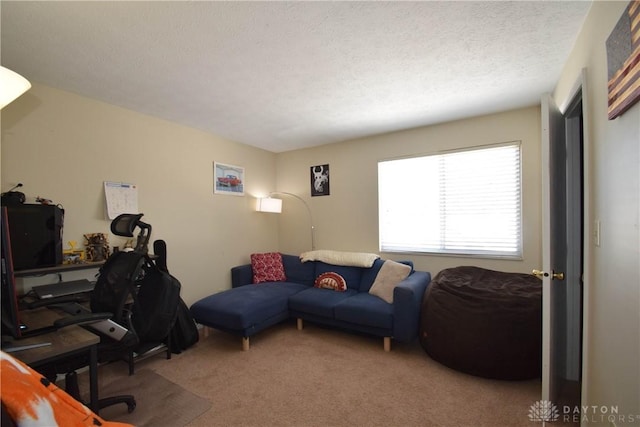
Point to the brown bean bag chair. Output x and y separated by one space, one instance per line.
484 322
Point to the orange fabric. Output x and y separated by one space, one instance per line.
33 400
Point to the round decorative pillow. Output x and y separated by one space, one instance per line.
331 280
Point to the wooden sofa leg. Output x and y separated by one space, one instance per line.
300 324
245 343
387 343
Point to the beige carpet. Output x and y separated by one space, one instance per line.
322 377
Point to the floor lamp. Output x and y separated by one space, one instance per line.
273 205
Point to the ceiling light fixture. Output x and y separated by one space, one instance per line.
12 85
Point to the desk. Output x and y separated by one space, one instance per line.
62 268
69 341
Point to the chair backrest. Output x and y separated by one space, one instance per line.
126 224
115 286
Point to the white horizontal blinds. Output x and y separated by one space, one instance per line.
465 202
481 201
408 218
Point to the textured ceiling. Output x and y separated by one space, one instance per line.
288 75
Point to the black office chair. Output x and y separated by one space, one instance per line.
140 292
142 298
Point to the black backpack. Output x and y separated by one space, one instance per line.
155 309
184 333
131 279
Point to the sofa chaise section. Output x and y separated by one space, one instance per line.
246 310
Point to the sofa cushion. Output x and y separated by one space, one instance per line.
297 271
242 307
390 275
267 267
351 275
369 275
317 301
365 309
332 281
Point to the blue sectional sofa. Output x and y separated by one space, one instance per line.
248 308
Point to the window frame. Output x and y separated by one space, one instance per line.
518 254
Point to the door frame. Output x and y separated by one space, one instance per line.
580 86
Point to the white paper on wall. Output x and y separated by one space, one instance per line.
121 197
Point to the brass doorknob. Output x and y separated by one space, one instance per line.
540 274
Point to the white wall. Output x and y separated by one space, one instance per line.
62 147
612 373
347 219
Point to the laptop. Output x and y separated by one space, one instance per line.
63 289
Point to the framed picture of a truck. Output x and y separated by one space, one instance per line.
228 179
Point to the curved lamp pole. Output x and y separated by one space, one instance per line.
284 193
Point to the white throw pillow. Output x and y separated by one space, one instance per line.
390 275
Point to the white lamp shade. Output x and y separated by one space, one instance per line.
12 85
268 204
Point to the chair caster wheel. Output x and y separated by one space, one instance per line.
131 407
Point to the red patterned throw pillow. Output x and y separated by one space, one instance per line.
331 280
267 267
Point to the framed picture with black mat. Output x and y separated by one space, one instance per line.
319 180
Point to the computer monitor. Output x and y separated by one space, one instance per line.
11 324
36 235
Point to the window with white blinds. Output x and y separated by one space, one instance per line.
461 203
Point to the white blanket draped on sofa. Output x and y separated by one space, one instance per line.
351 259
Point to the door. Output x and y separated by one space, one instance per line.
563 253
